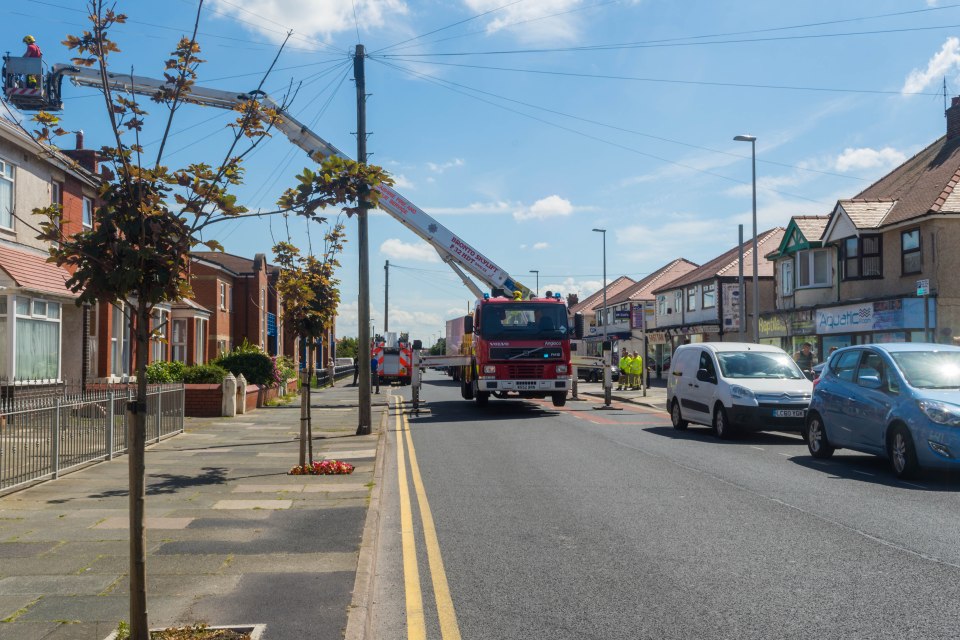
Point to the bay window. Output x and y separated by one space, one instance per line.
813 268
36 339
786 278
178 341
161 323
201 345
119 342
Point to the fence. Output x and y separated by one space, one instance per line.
323 375
46 434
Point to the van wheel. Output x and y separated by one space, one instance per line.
676 418
721 425
903 457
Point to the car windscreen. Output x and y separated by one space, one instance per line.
758 364
930 369
523 320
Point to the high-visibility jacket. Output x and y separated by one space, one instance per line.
625 363
636 364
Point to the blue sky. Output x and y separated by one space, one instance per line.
523 124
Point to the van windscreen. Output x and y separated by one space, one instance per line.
758 364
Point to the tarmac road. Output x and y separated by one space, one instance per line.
583 523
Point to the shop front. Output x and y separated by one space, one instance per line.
897 320
789 330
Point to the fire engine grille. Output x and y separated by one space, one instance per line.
526 353
524 371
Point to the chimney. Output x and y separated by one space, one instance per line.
953 119
80 139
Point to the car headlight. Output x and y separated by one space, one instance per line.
561 368
940 412
741 393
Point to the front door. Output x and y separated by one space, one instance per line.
871 404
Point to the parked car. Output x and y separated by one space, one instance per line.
590 368
734 385
899 401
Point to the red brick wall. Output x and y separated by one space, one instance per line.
202 400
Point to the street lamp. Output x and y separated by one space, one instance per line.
604 315
756 278
537 271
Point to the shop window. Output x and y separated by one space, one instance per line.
37 339
786 277
6 194
709 297
813 268
178 341
910 258
692 299
862 258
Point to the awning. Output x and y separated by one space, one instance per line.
32 272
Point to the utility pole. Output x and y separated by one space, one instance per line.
741 322
386 297
363 303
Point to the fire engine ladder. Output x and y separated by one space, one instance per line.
455 251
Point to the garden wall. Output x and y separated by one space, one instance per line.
206 400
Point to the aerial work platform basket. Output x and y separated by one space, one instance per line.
29 86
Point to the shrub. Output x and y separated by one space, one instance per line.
256 366
204 374
285 366
158 372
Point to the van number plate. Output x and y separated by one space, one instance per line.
789 413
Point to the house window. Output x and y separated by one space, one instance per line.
178 340
37 337
677 301
813 268
223 296
87 212
120 343
861 258
221 346
910 260
6 194
661 305
691 299
786 277
161 324
709 296
201 346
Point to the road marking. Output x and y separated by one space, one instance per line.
863 473
757 448
416 630
449 630
785 455
910 484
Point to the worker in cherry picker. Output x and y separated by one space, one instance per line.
33 51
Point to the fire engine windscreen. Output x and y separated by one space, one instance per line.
523 320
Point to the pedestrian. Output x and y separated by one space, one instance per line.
636 362
374 375
623 367
356 373
804 358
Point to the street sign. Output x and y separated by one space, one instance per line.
923 287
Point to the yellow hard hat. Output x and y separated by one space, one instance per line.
29 39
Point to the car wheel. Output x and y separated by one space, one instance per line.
482 398
903 457
816 436
677 418
721 425
559 399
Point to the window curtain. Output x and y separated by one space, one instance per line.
38 349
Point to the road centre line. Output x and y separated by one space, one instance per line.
449 630
863 473
757 448
416 629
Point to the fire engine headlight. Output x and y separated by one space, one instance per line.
562 368
490 368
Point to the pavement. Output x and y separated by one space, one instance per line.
231 537
654 397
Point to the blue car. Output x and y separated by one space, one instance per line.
899 401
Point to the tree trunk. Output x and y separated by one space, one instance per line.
137 440
304 404
309 416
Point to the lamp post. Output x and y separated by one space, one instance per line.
604 313
537 271
756 278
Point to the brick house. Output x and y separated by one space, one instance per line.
41 328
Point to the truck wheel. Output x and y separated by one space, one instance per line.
559 398
482 398
466 390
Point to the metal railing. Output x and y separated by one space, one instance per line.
339 373
46 434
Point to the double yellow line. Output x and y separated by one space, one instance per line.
416 629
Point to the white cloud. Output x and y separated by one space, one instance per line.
867 158
941 64
476 208
419 251
444 166
400 181
309 18
540 245
540 21
549 207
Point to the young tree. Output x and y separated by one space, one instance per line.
149 217
310 297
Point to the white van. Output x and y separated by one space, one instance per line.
343 362
731 385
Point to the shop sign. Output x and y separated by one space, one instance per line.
773 326
657 337
731 306
902 313
694 330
